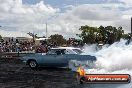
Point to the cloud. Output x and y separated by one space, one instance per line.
17 18
14 15
114 14
89 12
128 2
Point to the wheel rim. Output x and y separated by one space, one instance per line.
32 64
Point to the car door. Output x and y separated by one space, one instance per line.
49 58
53 58
60 60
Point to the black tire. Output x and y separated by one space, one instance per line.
33 64
82 80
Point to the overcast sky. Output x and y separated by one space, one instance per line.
17 17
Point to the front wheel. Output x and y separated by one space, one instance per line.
73 65
33 64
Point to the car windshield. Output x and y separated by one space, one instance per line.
78 51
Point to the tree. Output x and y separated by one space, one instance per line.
0 37
57 39
110 34
120 33
103 33
33 36
113 34
106 35
88 34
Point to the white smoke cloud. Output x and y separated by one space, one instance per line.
115 59
127 2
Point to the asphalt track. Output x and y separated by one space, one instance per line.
15 74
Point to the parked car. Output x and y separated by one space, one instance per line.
57 57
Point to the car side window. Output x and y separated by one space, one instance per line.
51 52
63 51
66 52
58 52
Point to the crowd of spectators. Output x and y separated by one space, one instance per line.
21 46
15 45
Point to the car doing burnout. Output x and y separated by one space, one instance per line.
57 57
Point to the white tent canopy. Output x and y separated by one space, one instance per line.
42 38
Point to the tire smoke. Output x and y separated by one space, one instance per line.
111 59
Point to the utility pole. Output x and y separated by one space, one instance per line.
46 30
131 25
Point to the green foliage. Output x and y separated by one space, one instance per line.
127 36
88 34
58 39
0 37
102 34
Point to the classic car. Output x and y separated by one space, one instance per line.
57 57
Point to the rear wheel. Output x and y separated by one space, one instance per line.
33 64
